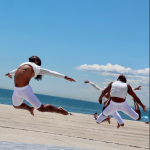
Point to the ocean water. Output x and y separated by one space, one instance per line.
71 105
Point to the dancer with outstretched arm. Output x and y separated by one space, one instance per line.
118 91
23 90
106 98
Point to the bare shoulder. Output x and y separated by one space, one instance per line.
129 88
128 85
110 84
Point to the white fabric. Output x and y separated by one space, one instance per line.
35 67
13 72
104 99
99 89
25 93
95 86
113 107
51 73
40 71
117 117
119 89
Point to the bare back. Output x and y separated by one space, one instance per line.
23 75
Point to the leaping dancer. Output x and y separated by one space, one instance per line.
118 91
23 90
105 100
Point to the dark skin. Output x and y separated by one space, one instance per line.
107 95
120 100
22 78
24 74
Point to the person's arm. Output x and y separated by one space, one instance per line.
55 74
130 92
137 88
94 85
106 90
9 74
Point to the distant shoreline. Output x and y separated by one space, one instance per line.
55 96
71 105
65 97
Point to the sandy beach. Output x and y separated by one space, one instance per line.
76 130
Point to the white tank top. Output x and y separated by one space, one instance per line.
119 89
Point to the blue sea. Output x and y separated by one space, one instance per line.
71 105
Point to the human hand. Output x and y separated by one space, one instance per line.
144 108
86 81
10 76
138 88
69 79
100 100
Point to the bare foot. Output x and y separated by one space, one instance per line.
63 111
32 111
108 119
118 125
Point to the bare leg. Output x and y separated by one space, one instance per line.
137 109
107 119
26 107
50 108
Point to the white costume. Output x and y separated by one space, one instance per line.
21 93
104 99
39 71
118 89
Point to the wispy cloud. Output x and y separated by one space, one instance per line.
109 68
140 76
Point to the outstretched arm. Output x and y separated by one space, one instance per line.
130 92
9 74
94 85
107 90
55 74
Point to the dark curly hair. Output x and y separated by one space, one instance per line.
33 59
122 78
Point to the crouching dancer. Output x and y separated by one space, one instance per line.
23 90
118 91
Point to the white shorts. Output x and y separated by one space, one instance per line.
104 99
124 107
113 107
21 93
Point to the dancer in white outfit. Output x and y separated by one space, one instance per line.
106 98
23 90
119 90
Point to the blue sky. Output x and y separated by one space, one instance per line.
70 36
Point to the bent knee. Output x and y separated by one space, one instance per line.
41 108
